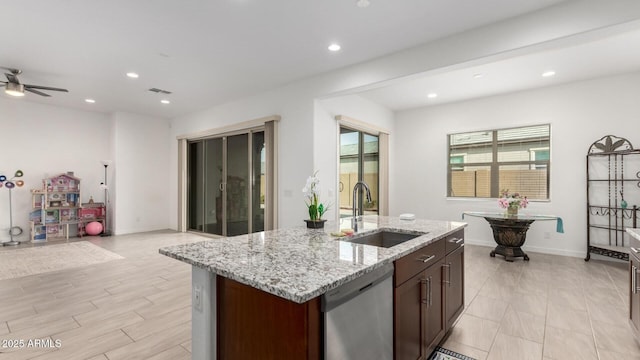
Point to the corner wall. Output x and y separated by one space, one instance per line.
295 144
327 143
44 140
140 174
579 113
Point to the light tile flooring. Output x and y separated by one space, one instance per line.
551 307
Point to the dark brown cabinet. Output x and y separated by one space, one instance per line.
453 286
276 328
428 296
432 300
409 319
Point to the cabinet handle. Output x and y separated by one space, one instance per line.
635 250
447 270
430 294
456 240
634 279
423 292
426 258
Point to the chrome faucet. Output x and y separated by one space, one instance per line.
354 220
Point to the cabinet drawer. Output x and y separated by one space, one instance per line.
454 241
411 264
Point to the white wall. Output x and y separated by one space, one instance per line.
579 113
327 140
144 184
300 136
43 140
140 191
295 143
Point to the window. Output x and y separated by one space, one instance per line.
482 164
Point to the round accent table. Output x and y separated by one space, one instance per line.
510 231
510 235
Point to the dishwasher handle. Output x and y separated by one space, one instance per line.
343 293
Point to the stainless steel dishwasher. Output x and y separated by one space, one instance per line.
358 318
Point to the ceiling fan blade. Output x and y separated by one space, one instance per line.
44 88
36 92
12 78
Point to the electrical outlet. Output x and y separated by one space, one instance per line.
197 298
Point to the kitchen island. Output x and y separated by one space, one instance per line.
263 289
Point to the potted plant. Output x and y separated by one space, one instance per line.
316 209
512 202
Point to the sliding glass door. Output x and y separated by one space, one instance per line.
224 191
359 161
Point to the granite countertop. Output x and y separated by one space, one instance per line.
299 264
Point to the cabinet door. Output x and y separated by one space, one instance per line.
453 285
434 323
634 296
408 318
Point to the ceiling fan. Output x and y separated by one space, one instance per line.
13 86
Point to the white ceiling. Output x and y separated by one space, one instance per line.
208 52
590 58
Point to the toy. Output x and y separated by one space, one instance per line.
93 228
10 184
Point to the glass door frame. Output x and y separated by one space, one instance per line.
343 121
223 185
270 125
361 158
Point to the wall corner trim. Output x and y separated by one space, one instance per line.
360 125
230 128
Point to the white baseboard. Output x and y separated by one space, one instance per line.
537 249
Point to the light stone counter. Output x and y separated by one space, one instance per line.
299 264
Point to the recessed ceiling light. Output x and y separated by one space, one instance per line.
548 73
432 95
133 75
334 47
90 101
165 101
363 3
478 75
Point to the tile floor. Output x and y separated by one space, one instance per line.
551 307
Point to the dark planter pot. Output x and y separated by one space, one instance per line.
315 224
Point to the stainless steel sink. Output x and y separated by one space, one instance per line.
385 238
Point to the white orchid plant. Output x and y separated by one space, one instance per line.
312 193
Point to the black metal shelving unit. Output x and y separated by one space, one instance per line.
609 214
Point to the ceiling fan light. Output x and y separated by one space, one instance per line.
14 89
